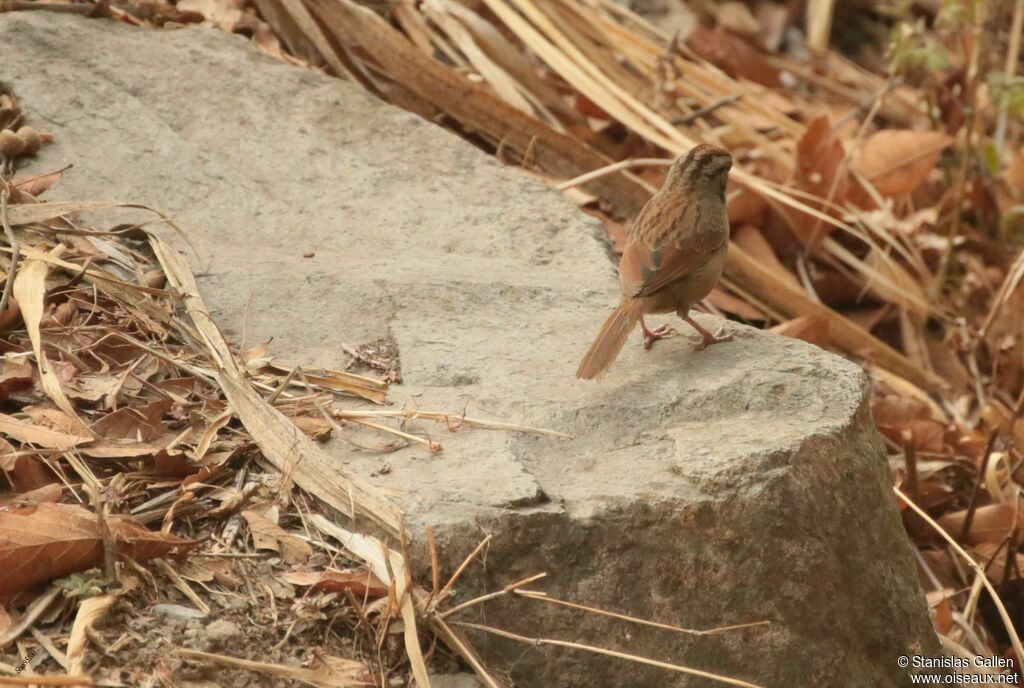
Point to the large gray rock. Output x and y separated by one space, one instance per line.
737 484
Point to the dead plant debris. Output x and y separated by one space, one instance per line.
877 209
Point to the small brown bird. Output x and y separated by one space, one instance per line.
673 257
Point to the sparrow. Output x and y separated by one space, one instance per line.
673 256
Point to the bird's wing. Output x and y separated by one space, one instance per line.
651 262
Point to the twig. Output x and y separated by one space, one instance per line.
507 590
15 253
452 421
540 597
611 169
539 642
462 567
434 447
707 109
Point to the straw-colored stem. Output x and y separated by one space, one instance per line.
539 642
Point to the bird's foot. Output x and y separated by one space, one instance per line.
651 336
707 339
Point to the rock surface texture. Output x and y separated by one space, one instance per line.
737 484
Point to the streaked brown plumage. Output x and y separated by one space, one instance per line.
673 257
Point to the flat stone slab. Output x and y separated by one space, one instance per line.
737 484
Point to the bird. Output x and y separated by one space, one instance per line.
673 257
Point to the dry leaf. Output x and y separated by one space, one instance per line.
733 55
141 423
49 541
224 14
266 534
808 328
34 186
15 376
90 611
34 434
361 583
991 523
30 289
820 171
898 161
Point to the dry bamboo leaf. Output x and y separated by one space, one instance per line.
389 566
353 675
90 611
54 419
901 287
477 109
30 290
24 214
898 161
792 301
510 58
497 77
120 449
821 172
727 302
341 381
47 493
283 444
34 434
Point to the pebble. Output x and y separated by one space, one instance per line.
221 630
177 611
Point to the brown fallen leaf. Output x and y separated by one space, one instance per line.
751 240
898 161
360 583
34 186
141 423
991 523
15 375
806 327
10 317
821 172
266 534
47 541
733 55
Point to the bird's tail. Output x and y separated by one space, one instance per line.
609 341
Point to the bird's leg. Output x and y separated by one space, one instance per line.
651 336
707 339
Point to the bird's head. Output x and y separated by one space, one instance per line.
704 167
